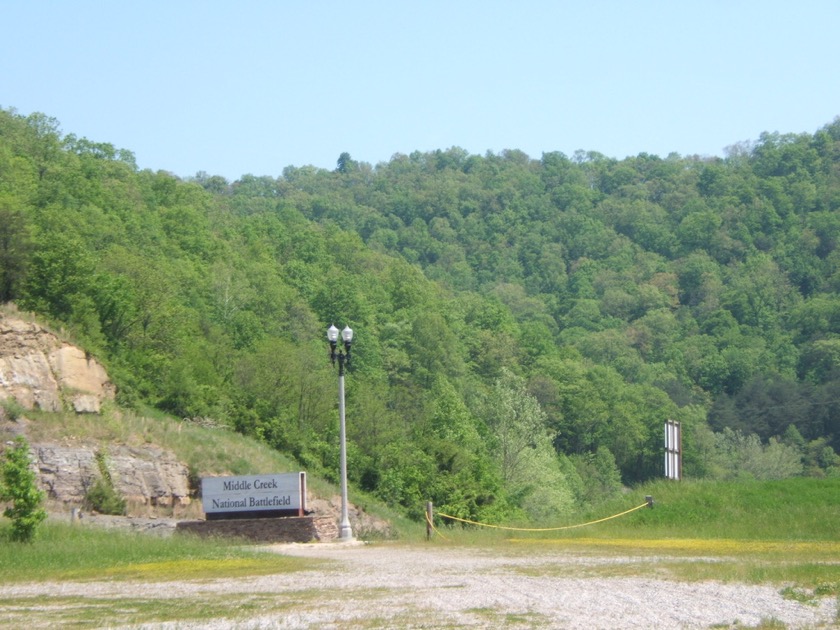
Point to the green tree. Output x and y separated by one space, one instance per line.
14 248
436 349
744 456
20 489
600 476
346 164
517 423
523 447
758 293
466 482
60 271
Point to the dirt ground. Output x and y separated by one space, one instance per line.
439 586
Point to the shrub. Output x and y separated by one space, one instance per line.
102 496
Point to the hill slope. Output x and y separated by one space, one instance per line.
516 319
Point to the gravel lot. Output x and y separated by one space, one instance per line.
456 587
436 586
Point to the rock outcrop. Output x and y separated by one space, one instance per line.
143 476
40 371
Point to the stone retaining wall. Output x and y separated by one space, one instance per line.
298 529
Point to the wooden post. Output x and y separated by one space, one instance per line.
429 521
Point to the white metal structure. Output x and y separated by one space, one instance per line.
673 450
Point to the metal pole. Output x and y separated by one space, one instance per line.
345 531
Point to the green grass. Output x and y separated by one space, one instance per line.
800 516
791 509
66 552
798 509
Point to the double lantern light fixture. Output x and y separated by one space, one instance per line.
347 338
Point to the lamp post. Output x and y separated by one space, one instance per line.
345 532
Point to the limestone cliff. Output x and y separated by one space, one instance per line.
40 371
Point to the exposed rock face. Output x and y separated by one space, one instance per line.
65 473
149 475
142 475
40 371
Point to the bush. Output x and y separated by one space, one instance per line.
20 489
102 497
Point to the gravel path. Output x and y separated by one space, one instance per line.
397 586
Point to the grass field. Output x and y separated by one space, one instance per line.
798 509
66 552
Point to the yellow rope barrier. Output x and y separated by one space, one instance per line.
435 529
543 529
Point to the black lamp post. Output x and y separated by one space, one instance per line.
345 532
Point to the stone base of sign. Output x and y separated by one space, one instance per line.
290 529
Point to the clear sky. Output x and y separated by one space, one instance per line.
248 86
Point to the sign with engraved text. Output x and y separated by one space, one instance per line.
254 496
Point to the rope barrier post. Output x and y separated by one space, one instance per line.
649 500
429 521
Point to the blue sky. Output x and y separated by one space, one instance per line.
241 87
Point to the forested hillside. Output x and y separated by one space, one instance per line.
523 327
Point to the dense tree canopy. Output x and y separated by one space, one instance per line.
520 323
